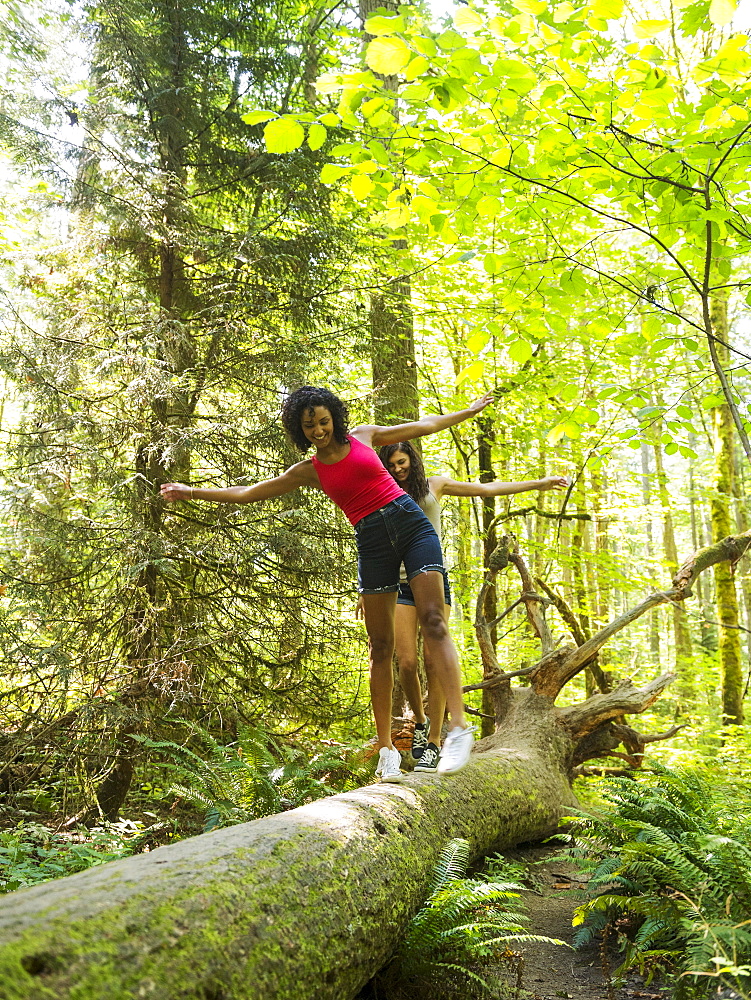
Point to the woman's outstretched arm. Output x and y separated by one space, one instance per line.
375 435
443 486
302 474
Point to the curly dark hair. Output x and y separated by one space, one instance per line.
303 401
417 482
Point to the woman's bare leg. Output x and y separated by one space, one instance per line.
378 611
405 633
436 697
427 589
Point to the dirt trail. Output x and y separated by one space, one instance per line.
552 972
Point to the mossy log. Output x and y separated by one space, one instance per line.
300 906
307 905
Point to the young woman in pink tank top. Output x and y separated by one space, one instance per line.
390 529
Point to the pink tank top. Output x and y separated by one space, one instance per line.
359 483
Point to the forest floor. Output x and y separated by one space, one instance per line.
550 971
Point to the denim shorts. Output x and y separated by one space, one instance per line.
405 595
395 534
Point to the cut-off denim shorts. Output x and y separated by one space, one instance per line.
395 534
405 595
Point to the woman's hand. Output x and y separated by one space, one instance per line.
554 483
360 609
172 492
481 403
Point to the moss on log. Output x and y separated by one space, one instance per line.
305 905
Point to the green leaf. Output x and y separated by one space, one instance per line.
332 172
387 55
416 67
317 135
721 12
684 411
450 39
650 28
609 9
283 135
520 351
361 186
555 434
380 25
530 6
329 83
477 341
256 117
574 281
471 372
466 19
489 207
395 218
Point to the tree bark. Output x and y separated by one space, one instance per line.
731 672
392 342
312 902
485 441
681 630
654 622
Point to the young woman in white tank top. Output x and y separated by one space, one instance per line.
405 465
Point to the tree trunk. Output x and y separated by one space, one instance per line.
727 600
310 903
742 524
392 343
681 630
485 439
654 621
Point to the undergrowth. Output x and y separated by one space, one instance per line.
465 930
32 853
255 776
669 862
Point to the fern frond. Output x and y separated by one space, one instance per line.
452 864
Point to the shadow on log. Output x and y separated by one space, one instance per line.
307 905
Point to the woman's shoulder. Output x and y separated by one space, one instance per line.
304 472
363 434
436 485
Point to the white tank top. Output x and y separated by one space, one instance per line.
432 508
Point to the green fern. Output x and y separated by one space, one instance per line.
463 927
670 875
255 776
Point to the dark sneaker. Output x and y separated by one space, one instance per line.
429 759
420 739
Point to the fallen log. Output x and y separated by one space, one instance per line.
307 905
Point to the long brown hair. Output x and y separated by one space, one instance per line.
417 483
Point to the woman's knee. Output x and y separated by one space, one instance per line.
381 649
407 667
433 623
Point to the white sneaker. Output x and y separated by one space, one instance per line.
389 762
456 750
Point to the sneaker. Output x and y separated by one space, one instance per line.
456 750
389 765
429 759
420 738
